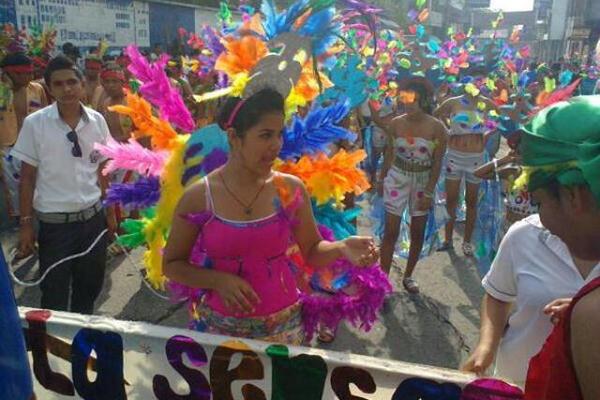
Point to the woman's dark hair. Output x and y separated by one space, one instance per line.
251 111
59 63
425 97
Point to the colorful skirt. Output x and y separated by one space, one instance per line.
284 326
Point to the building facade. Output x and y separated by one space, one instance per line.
120 22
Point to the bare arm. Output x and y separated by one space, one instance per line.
486 171
181 240
585 344
494 317
388 157
443 111
438 157
382 122
104 182
314 249
319 252
26 189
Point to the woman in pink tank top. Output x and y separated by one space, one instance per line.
237 227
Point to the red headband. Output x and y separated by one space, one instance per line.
23 69
112 74
93 64
123 61
234 114
39 62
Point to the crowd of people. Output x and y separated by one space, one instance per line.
239 169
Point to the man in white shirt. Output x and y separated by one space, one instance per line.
61 180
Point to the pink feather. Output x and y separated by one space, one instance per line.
158 90
131 156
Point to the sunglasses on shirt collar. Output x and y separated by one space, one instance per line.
76 150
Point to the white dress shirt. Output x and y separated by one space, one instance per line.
532 268
64 183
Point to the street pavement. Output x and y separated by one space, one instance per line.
437 327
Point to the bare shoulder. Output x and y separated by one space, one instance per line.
585 313
291 180
193 199
440 128
451 101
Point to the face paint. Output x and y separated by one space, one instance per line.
407 96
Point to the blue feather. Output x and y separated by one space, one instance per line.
349 81
317 23
276 23
338 221
313 133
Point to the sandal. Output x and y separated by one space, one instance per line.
115 249
446 246
410 285
326 335
468 249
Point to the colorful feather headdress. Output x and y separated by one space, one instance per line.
299 35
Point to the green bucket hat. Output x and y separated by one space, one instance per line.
562 143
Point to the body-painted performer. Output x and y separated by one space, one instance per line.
19 97
465 116
412 165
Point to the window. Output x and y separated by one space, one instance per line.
22 21
29 23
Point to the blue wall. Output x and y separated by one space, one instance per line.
165 21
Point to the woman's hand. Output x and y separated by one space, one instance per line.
479 361
360 250
557 308
236 293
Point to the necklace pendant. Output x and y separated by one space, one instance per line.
248 211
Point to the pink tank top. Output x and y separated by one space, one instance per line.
254 250
551 374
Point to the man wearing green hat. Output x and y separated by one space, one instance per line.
561 158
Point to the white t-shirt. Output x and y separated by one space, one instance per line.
532 268
64 183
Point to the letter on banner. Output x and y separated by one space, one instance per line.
221 376
108 346
175 348
301 377
342 377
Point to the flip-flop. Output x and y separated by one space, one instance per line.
326 335
114 249
410 285
468 249
446 246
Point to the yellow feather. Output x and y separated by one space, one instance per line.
158 229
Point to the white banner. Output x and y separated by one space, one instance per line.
93 357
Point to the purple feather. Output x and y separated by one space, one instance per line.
214 160
369 287
142 194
